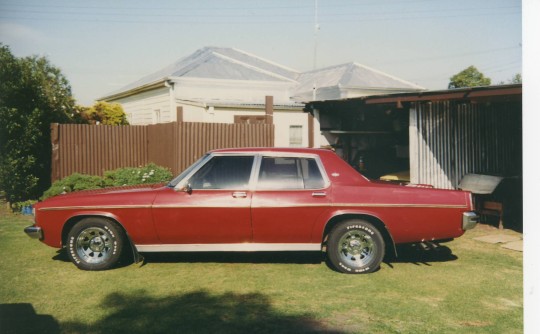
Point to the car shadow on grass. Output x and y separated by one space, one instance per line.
235 257
195 312
420 254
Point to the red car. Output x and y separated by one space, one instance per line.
263 199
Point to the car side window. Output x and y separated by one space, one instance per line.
289 173
223 172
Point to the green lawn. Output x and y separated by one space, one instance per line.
477 288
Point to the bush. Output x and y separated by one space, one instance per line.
148 174
74 182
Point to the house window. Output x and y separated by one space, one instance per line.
295 136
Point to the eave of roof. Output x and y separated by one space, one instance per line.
451 94
241 105
149 86
472 93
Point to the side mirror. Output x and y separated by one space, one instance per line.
187 189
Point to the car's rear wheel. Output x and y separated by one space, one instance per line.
95 244
355 247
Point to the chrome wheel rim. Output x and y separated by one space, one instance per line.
94 245
356 248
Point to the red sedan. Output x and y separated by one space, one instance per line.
254 200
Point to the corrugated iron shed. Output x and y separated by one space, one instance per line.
452 132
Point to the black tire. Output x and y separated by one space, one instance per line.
95 244
355 247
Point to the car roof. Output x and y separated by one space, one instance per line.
273 150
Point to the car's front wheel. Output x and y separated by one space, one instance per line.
355 247
95 244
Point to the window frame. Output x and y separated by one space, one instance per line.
286 155
255 169
185 180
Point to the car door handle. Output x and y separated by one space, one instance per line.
239 194
319 194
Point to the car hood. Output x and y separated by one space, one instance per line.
106 194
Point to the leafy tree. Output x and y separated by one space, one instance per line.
516 79
33 94
105 113
469 77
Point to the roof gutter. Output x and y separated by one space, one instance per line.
150 86
458 94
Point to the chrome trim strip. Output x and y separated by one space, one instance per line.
300 205
95 207
387 205
240 247
365 205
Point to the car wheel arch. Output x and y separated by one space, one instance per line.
377 222
70 223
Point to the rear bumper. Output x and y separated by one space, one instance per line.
34 232
470 219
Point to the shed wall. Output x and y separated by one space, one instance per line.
449 139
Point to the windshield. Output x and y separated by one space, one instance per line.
188 170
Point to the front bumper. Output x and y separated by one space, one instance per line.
470 219
34 232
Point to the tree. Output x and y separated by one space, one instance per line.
516 79
33 94
469 77
104 113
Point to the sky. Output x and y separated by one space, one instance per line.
101 45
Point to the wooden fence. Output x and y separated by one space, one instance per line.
93 149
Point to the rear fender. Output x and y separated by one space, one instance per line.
340 216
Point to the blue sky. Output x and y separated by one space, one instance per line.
103 45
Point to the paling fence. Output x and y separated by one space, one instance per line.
93 149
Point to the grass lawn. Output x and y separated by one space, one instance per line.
469 287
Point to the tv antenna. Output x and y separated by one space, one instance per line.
315 45
316 34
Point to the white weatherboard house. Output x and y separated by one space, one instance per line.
216 84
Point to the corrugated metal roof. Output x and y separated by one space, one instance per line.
233 64
217 63
352 75
504 92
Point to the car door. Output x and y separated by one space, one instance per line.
214 208
291 194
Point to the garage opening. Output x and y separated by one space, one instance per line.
374 139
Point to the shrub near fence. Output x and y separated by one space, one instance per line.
93 149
